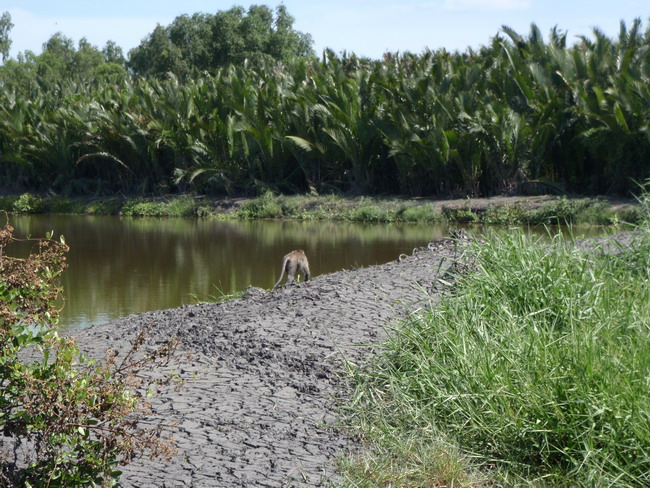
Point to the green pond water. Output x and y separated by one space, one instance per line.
119 266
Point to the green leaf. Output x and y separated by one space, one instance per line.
620 117
301 143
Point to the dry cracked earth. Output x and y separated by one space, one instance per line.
262 375
260 399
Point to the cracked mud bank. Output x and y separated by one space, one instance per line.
259 402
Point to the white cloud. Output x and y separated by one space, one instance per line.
485 4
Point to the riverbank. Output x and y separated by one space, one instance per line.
505 210
259 406
532 372
265 383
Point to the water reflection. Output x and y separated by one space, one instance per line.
119 266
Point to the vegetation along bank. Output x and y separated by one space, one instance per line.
537 210
237 102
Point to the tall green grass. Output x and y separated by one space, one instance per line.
175 207
536 368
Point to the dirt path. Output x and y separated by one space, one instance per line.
259 402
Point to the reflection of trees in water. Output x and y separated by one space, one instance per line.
126 265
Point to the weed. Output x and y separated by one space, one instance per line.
632 215
536 365
177 207
333 207
418 213
266 206
462 215
62 205
371 213
558 212
28 203
111 206
504 215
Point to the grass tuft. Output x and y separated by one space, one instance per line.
266 206
109 206
419 213
536 366
176 207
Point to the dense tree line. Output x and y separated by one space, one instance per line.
479 122
205 41
188 46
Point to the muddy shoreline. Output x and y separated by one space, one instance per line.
259 402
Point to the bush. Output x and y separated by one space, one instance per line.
371 213
504 215
418 213
110 206
266 206
67 421
632 215
558 212
596 212
65 206
176 207
142 208
462 215
295 208
28 203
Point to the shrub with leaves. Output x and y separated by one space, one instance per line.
28 203
66 420
266 206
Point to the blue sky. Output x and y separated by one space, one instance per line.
365 27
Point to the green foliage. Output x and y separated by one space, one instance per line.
61 62
370 213
518 110
28 203
108 206
332 207
535 365
630 215
63 205
266 206
294 208
597 213
175 207
504 215
5 41
7 202
206 42
559 212
463 215
67 421
578 211
410 462
419 213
